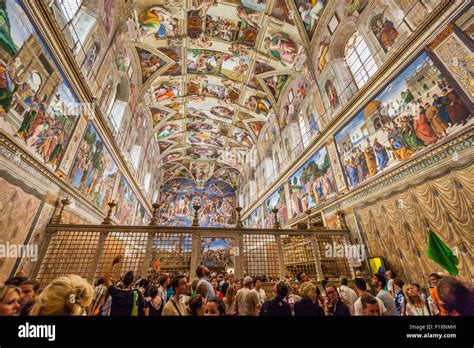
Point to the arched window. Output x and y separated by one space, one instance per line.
303 130
359 59
135 155
147 182
69 8
117 114
155 196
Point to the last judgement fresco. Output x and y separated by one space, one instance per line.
215 202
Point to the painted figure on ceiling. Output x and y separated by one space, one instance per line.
239 69
157 21
248 17
310 13
258 105
352 6
331 94
322 54
282 47
150 63
123 60
164 92
301 90
384 30
202 41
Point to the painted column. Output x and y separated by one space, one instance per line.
336 165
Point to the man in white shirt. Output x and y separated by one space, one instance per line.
362 290
242 294
257 287
348 296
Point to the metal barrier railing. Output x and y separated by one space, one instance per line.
88 250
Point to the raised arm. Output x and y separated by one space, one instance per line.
107 275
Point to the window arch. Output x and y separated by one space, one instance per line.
69 8
147 182
359 59
303 130
117 114
135 155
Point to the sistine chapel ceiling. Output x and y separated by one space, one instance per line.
212 74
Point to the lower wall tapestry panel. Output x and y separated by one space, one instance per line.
17 212
396 227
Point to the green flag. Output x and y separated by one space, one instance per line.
441 254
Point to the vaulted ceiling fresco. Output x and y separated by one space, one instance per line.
212 73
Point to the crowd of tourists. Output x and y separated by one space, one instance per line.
210 294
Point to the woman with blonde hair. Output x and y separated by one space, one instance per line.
253 304
415 305
64 296
230 300
10 300
308 305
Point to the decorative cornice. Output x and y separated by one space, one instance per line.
439 18
51 34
